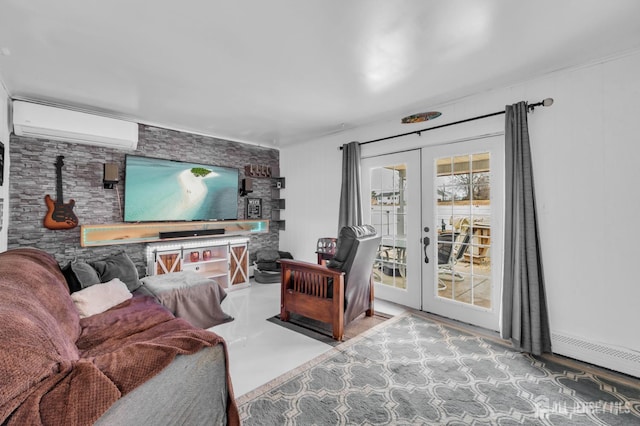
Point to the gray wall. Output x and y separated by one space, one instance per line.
33 175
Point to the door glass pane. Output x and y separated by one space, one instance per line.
463 217
388 216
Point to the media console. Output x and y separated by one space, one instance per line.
225 260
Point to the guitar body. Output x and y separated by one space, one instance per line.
59 215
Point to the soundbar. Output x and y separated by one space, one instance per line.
191 233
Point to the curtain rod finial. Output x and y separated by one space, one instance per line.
546 102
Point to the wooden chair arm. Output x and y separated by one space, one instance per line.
298 265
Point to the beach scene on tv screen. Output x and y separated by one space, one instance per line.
163 190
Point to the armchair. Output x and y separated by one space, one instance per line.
338 292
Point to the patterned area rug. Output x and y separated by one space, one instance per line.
412 370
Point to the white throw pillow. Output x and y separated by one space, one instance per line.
100 297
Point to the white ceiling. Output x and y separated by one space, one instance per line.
284 71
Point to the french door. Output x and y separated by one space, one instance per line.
391 191
462 206
439 211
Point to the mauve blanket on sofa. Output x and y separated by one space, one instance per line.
58 369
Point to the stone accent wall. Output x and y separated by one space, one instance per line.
33 175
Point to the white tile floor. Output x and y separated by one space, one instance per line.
260 351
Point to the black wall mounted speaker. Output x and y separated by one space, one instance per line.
247 186
110 175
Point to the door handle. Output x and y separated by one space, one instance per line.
426 241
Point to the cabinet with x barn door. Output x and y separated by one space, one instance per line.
225 260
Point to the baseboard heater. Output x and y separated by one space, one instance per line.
614 358
190 233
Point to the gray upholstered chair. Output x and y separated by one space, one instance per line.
338 292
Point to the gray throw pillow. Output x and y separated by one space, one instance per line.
80 275
85 274
118 266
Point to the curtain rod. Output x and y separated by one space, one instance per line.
546 102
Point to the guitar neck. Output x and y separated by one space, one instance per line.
59 198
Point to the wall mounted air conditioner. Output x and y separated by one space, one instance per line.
41 121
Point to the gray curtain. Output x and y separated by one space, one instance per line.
524 309
350 199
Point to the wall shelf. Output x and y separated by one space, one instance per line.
130 233
277 204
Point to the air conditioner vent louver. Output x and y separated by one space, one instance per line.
41 121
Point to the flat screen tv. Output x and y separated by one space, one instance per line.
158 190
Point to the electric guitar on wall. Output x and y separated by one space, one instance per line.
59 215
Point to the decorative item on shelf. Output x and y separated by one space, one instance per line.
326 245
277 183
194 256
254 208
257 171
206 255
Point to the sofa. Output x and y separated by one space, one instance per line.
129 364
